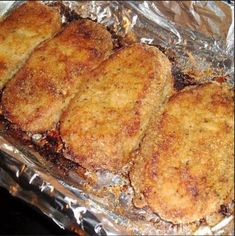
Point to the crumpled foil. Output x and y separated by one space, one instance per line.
199 37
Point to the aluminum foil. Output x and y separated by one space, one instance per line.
198 37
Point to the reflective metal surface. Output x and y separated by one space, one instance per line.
199 35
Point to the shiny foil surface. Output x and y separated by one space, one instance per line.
198 36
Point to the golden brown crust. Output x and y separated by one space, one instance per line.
36 96
107 118
24 29
187 167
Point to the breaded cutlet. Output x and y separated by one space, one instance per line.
35 98
107 119
185 169
20 32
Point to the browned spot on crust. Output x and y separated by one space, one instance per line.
2 65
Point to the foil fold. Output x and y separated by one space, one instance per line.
198 35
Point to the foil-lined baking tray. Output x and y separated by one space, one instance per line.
197 37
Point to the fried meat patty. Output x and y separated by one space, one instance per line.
106 120
186 162
36 96
21 32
